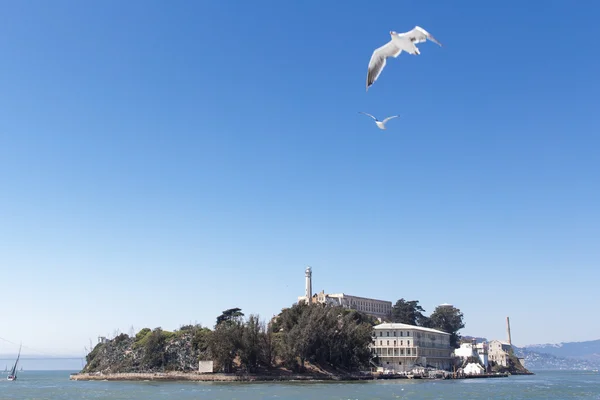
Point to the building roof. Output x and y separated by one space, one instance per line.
504 342
337 295
390 325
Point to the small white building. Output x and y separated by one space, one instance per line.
465 351
400 347
473 369
205 367
474 350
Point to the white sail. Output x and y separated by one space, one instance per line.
13 373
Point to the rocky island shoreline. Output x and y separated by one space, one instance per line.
267 377
215 377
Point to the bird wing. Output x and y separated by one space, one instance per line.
378 60
388 118
368 115
419 35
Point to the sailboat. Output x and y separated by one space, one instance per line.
13 372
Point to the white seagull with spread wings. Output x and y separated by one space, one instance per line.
400 41
380 124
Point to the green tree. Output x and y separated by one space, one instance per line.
447 319
233 337
268 349
224 344
201 340
360 317
289 317
300 338
142 334
332 336
154 350
233 314
121 338
407 312
250 344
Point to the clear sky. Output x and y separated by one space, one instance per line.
163 161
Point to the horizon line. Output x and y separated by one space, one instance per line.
8 357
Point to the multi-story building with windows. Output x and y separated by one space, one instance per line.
374 307
499 351
400 347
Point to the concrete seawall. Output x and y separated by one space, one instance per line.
220 377
210 377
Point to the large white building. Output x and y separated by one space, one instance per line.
374 307
400 347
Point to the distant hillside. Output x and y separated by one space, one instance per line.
470 338
589 350
535 361
570 355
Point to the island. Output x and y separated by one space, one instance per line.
303 342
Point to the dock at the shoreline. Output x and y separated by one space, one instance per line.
504 375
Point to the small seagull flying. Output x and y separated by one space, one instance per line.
380 124
400 41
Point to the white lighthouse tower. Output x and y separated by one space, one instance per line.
308 285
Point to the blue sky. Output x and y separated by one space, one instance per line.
163 161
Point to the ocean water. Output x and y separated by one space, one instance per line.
55 385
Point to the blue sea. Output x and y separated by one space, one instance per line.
55 385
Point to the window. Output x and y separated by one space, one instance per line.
394 342
380 333
388 343
401 333
408 352
388 333
394 333
381 342
408 342
401 344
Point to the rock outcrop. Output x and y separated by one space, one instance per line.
514 366
149 351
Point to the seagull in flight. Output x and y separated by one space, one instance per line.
400 41
380 124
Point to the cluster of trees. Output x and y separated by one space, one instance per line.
331 336
444 318
250 341
328 336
